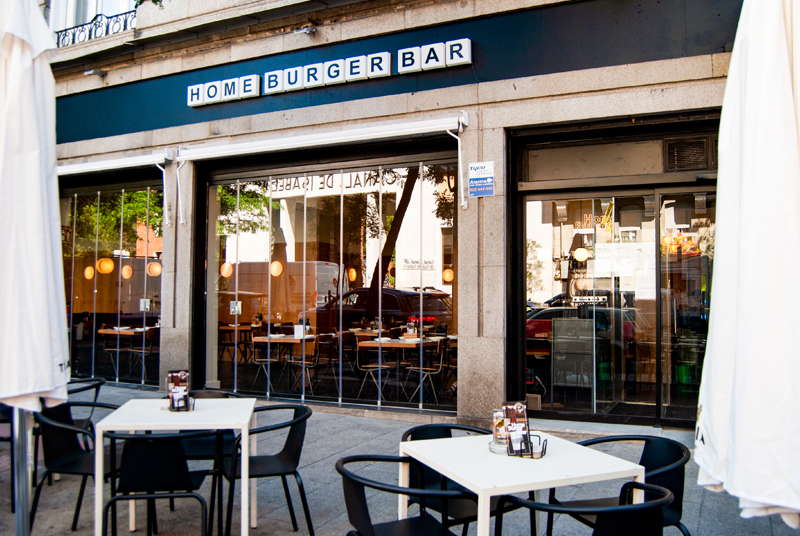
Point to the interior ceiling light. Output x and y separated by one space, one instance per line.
580 254
226 270
448 275
154 269
352 274
105 265
276 268
88 273
127 271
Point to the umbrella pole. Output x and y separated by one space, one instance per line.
20 433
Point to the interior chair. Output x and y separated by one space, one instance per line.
664 461
225 342
358 511
328 347
281 464
346 340
265 361
64 452
211 448
454 512
152 466
623 517
370 368
245 343
427 372
112 346
310 361
140 352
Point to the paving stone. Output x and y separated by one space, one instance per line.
331 436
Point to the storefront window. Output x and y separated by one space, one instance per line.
111 242
613 320
318 277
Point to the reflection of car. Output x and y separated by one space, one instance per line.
397 305
541 322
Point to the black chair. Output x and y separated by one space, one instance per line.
358 512
623 518
64 450
664 462
6 417
152 466
282 464
455 512
211 448
74 387
77 386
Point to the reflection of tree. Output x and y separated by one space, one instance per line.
445 204
103 217
534 280
253 214
444 177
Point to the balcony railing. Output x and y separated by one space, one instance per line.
100 26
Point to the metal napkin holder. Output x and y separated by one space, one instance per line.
527 449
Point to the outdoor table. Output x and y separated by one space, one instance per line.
154 414
468 461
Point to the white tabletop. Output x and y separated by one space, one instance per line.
468 461
208 414
154 414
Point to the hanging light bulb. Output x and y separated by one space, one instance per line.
352 274
105 265
154 269
88 273
580 254
127 271
276 268
448 275
226 270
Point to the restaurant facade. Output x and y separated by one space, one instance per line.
426 205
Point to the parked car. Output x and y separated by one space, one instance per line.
396 307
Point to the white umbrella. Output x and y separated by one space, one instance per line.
34 357
748 434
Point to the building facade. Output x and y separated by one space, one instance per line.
530 185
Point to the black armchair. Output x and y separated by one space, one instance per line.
358 512
282 464
664 461
152 467
65 449
643 519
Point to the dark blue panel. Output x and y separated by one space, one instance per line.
566 37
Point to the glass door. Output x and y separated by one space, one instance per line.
617 292
111 243
687 257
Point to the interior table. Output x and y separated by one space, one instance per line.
154 415
468 461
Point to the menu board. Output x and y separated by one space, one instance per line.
516 420
178 390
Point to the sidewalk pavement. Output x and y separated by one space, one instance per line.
333 433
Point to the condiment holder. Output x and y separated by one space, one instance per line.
510 434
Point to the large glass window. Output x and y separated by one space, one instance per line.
315 281
112 247
617 292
